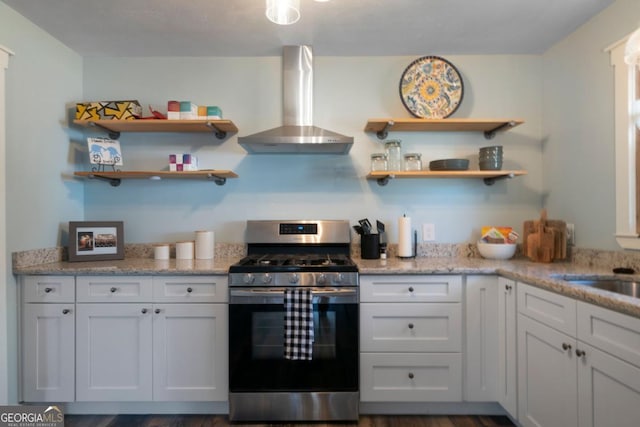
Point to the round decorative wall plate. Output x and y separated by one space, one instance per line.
431 88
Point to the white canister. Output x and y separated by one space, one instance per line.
161 251
184 250
205 244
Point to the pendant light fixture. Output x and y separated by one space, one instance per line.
283 12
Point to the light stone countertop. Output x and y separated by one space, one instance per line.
546 276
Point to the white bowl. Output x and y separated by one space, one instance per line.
496 250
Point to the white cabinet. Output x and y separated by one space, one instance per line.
47 339
190 352
113 344
411 338
547 376
576 370
507 356
167 340
481 355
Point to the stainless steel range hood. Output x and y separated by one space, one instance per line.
297 135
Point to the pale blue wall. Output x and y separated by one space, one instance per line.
348 91
578 136
43 76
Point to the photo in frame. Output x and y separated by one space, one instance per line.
96 240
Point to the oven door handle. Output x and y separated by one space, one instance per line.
319 292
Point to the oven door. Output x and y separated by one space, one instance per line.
256 342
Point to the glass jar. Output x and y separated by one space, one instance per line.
413 162
378 162
394 156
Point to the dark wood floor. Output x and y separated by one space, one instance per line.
222 421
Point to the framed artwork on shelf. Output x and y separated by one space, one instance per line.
96 240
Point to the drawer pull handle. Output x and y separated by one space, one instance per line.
411 289
144 311
66 311
113 290
580 353
410 325
157 310
566 346
189 290
47 290
410 375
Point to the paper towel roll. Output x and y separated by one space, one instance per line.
204 244
184 250
405 244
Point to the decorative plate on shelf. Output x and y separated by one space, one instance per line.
431 88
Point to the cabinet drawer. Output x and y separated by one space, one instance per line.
411 327
114 288
48 289
396 377
190 289
612 332
410 288
549 308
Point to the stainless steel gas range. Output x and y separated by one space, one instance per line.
293 324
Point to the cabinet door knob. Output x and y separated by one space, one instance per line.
157 311
580 353
410 375
113 290
144 311
566 346
411 289
410 325
189 290
508 287
47 290
66 311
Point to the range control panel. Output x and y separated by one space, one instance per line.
287 228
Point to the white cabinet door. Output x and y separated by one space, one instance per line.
48 359
507 358
190 352
481 357
547 376
609 390
113 352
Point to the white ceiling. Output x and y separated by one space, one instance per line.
338 27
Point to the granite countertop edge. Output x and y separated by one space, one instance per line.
546 276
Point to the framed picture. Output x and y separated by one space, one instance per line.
96 240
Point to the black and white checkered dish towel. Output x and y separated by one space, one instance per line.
298 324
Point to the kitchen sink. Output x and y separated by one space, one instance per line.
623 287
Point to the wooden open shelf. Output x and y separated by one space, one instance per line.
114 127
114 178
489 127
489 177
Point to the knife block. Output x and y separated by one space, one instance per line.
370 246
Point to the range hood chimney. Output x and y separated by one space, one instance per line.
297 135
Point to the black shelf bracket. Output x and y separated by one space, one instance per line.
220 134
382 134
217 179
490 134
114 182
112 133
493 179
384 180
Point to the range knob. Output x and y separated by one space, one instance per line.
267 278
294 278
338 278
248 278
321 279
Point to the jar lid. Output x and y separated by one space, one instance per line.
392 143
412 156
378 156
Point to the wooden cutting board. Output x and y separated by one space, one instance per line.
530 247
